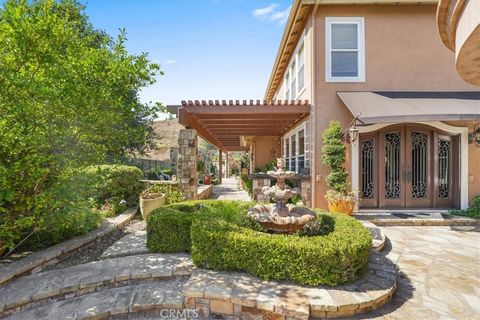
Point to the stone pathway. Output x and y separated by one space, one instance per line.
440 273
229 189
131 244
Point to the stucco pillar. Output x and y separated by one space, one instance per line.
187 163
220 165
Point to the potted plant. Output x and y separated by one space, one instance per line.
149 201
339 196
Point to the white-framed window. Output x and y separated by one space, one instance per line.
295 149
293 81
287 85
295 73
301 68
344 49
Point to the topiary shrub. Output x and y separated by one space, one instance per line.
220 236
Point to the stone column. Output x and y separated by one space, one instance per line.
187 163
220 165
173 159
306 192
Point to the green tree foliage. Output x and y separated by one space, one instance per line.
68 97
333 155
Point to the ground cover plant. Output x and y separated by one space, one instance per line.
472 212
220 236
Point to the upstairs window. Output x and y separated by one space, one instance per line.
293 83
287 86
345 49
301 69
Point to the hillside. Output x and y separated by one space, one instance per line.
167 131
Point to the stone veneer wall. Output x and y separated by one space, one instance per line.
173 159
261 180
187 163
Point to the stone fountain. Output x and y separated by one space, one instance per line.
281 217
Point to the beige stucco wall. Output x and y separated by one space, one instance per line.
473 161
266 149
403 53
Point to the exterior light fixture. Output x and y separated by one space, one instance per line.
353 134
350 135
475 135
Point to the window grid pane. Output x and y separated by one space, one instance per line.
344 36
344 63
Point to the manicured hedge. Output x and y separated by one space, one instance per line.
220 236
168 228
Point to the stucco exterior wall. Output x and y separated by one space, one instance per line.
403 53
266 149
473 161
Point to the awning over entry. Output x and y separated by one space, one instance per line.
222 123
398 107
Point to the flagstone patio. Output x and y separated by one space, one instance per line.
438 278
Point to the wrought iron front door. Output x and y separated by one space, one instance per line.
409 166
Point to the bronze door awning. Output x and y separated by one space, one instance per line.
222 123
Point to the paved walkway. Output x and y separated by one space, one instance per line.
229 189
441 274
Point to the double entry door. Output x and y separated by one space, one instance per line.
408 167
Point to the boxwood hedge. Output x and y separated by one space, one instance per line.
220 236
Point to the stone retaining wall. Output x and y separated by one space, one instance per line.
35 262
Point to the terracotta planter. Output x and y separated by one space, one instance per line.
148 205
207 179
341 206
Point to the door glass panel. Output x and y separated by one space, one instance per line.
444 150
419 165
392 165
367 169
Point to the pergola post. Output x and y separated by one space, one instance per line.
227 167
220 165
187 163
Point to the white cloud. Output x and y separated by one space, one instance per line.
270 13
281 16
260 12
170 61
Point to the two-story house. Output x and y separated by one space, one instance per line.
383 63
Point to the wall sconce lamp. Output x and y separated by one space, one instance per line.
350 135
474 137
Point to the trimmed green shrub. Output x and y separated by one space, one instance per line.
221 236
120 182
168 227
337 258
472 212
172 194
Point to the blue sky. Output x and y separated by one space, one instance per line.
208 49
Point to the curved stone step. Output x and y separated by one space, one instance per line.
243 295
111 302
84 278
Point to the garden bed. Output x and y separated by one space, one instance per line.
220 236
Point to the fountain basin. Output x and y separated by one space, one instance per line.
294 220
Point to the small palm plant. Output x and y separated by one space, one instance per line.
339 196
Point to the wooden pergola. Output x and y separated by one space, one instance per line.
222 123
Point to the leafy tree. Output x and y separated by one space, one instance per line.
68 98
